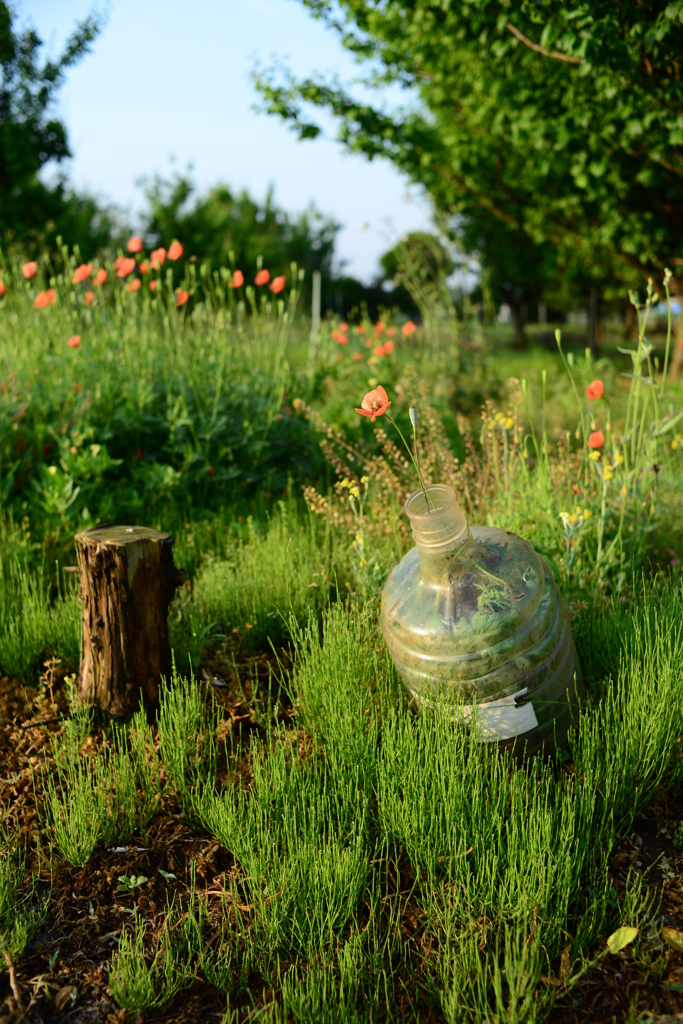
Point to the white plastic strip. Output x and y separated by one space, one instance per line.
502 719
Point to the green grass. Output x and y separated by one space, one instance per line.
37 619
140 986
501 860
286 569
104 798
21 910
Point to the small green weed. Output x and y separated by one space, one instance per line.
129 883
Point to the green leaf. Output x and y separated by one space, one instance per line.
666 425
635 376
621 938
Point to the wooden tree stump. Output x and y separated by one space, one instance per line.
128 580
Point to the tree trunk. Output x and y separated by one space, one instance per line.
520 336
128 580
594 322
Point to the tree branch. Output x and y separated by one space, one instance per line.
555 54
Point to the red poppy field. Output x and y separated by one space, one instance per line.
280 837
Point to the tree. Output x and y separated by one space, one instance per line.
542 126
226 227
32 138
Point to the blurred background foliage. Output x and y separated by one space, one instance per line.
548 138
556 175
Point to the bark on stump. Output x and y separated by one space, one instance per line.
128 580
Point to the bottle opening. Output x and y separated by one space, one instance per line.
440 529
440 495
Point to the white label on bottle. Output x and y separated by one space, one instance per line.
503 719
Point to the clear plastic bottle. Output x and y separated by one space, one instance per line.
474 615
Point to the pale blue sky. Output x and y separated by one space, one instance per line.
171 77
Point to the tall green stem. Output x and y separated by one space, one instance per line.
414 462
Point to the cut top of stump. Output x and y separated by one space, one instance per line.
117 535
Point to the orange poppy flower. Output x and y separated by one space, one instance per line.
51 296
360 329
379 350
368 343
263 277
237 279
340 338
134 285
144 268
89 296
134 244
153 285
41 300
74 341
126 266
379 327
158 257
82 273
388 348
101 276
29 270
596 439
595 390
278 284
181 297
343 327
408 329
175 250
391 331
356 357
2 289
375 403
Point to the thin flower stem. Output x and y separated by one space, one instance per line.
417 462
414 461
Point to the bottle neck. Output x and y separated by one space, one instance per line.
440 531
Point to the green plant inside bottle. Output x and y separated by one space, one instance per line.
473 617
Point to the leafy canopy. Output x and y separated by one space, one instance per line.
31 137
562 123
